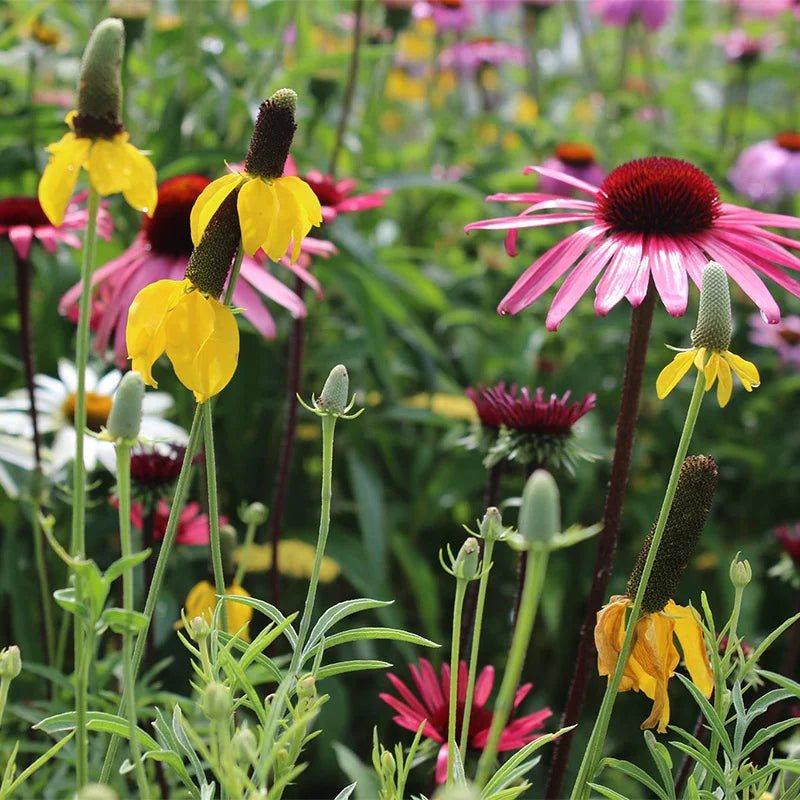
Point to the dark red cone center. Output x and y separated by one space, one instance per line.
658 195
168 230
22 211
326 191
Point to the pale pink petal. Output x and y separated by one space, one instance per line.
49 239
432 684
363 202
669 274
620 273
520 222
441 765
564 177
21 237
266 283
641 278
538 201
750 216
254 309
305 276
764 249
693 259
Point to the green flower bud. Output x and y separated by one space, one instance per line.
540 514
217 704
491 526
466 562
199 629
99 85
10 662
272 135
388 765
713 329
254 514
307 687
454 792
125 417
741 573
333 399
96 791
245 746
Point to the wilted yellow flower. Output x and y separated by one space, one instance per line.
295 559
202 600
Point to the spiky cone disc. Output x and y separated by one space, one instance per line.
713 329
687 518
272 135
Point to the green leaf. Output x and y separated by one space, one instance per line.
346 792
96 721
232 666
709 713
632 771
338 612
370 634
781 680
268 610
28 771
171 758
66 599
765 734
126 562
183 742
702 757
363 777
122 621
606 792
789 764
662 760
340 667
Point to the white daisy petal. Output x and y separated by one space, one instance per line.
106 454
157 403
69 375
162 430
63 448
107 385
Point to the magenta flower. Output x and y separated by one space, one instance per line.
161 250
335 195
768 171
789 536
192 524
784 337
744 49
468 56
654 217
574 159
22 220
619 13
447 15
433 705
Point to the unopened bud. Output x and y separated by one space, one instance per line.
272 135
10 662
254 514
333 398
491 526
307 687
199 629
96 791
245 746
456 792
388 765
713 329
99 85
125 417
281 760
217 703
741 573
465 565
540 514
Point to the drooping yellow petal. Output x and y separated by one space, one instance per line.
725 383
746 371
202 600
257 206
202 342
60 175
107 164
690 635
700 358
289 212
654 651
209 201
671 374
711 370
145 334
310 210
141 191
608 634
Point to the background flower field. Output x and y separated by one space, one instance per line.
436 112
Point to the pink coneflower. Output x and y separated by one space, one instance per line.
768 171
578 160
432 705
162 249
744 49
789 536
783 338
469 56
657 217
763 8
22 220
447 15
619 13
335 195
192 524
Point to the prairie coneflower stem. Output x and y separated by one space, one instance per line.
44 582
535 573
213 511
591 758
452 743
195 435
641 320
148 543
129 682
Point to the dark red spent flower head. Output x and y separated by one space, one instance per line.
658 195
157 469
168 231
789 536
520 411
724 644
22 211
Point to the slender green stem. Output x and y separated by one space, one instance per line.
44 584
213 511
159 571
458 607
535 572
4 684
486 563
124 497
249 537
580 791
237 265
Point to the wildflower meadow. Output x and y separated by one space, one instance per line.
399 399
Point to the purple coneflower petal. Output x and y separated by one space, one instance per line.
617 279
564 178
669 275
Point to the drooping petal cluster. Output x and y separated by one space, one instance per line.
202 600
654 656
198 333
114 165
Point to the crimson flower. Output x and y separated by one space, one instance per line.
433 704
789 536
655 217
192 524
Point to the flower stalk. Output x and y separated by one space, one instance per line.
213 511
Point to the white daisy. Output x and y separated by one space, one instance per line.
16 459
55 406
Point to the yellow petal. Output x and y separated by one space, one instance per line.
746 371
202 342
141 191
725 383
711 370
202 600
311 212
289 212
671 374
108 165
608 635
239 615
690 635
257 206
145 334
60 175
209 201
700 358
658 657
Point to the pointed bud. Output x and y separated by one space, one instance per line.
491 526
540 514
10 663
687 517
333 399
466 562
713 329
272 135
741 573
125 417
388 765
99 86
245 746
217 704
210 262
199 629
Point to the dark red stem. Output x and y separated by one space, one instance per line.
641 320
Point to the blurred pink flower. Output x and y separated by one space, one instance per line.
161 250
433 704
22 220
655 217
784 338
574 159
789 536
470 55
448 15
763 8
192 525
768 171
334 195
619 13
744 49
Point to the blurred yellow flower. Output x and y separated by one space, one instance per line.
202 600
198 333
114 165
526 109
295 559
403 87
451 406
